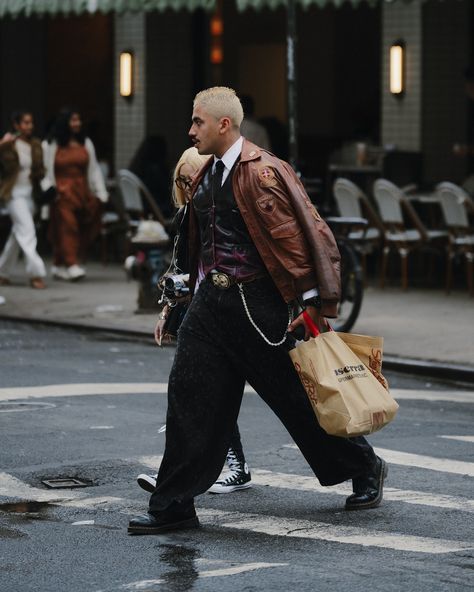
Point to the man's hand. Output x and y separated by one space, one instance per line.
315 314
159 326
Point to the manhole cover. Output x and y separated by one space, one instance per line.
6 407
64 483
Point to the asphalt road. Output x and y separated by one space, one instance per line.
76 405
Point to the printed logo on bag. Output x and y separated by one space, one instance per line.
378 418
308 385
375 365
350 372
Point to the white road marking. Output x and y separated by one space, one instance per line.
99 388
103 427
460 438
13 487
309 483
83 523
270 525
309 529
432 395
212 573
407 459
445 465
81 389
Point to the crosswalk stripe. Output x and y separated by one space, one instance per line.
303 483
407 459
309 483
129 388
211 573
269 525
445 465
460 438
309 529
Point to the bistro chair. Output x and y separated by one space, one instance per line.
353 203
136 204
395 209
454 203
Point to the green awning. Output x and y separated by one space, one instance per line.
257 4
75 7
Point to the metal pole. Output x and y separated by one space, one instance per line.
292 91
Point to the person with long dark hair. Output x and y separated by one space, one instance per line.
72 167
21 171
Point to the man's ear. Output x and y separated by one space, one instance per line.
224 125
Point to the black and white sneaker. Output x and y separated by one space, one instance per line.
147 482
236 479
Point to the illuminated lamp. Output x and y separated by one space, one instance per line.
126 74
397 68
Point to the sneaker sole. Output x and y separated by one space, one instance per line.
230 489
377 501
183 525
146 485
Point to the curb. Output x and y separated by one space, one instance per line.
427 368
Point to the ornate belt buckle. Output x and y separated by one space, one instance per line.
221 280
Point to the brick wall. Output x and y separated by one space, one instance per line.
130 115
401 118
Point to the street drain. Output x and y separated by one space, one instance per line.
6 407
65 483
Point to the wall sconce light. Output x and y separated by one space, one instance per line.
126 74
397 68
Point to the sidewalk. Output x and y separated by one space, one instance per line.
423 325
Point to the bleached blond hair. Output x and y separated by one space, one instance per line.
195 160
221 101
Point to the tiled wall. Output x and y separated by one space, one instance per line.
444 114
169 79
432 115
130 115
401 118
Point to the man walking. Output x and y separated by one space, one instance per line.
261 245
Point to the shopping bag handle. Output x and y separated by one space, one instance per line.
313 328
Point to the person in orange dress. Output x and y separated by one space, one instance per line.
75 216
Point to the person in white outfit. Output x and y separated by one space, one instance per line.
21 171
75 215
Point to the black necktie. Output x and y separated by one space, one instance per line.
217 177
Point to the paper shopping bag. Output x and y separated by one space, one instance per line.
346 397
369 350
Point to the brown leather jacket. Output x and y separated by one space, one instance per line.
10 167
295 244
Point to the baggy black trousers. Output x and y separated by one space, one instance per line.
217 351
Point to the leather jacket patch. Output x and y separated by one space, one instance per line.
266 176
266 204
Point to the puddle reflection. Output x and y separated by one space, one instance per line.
182 561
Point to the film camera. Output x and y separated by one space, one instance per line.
174 286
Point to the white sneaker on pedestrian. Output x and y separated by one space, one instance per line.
74 273
59 272
235 480
147 482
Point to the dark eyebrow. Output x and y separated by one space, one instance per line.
196 120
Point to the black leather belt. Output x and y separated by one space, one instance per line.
224 281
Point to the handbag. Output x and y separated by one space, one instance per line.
347 398
174 319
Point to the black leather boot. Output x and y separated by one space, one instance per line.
368 488
176 517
